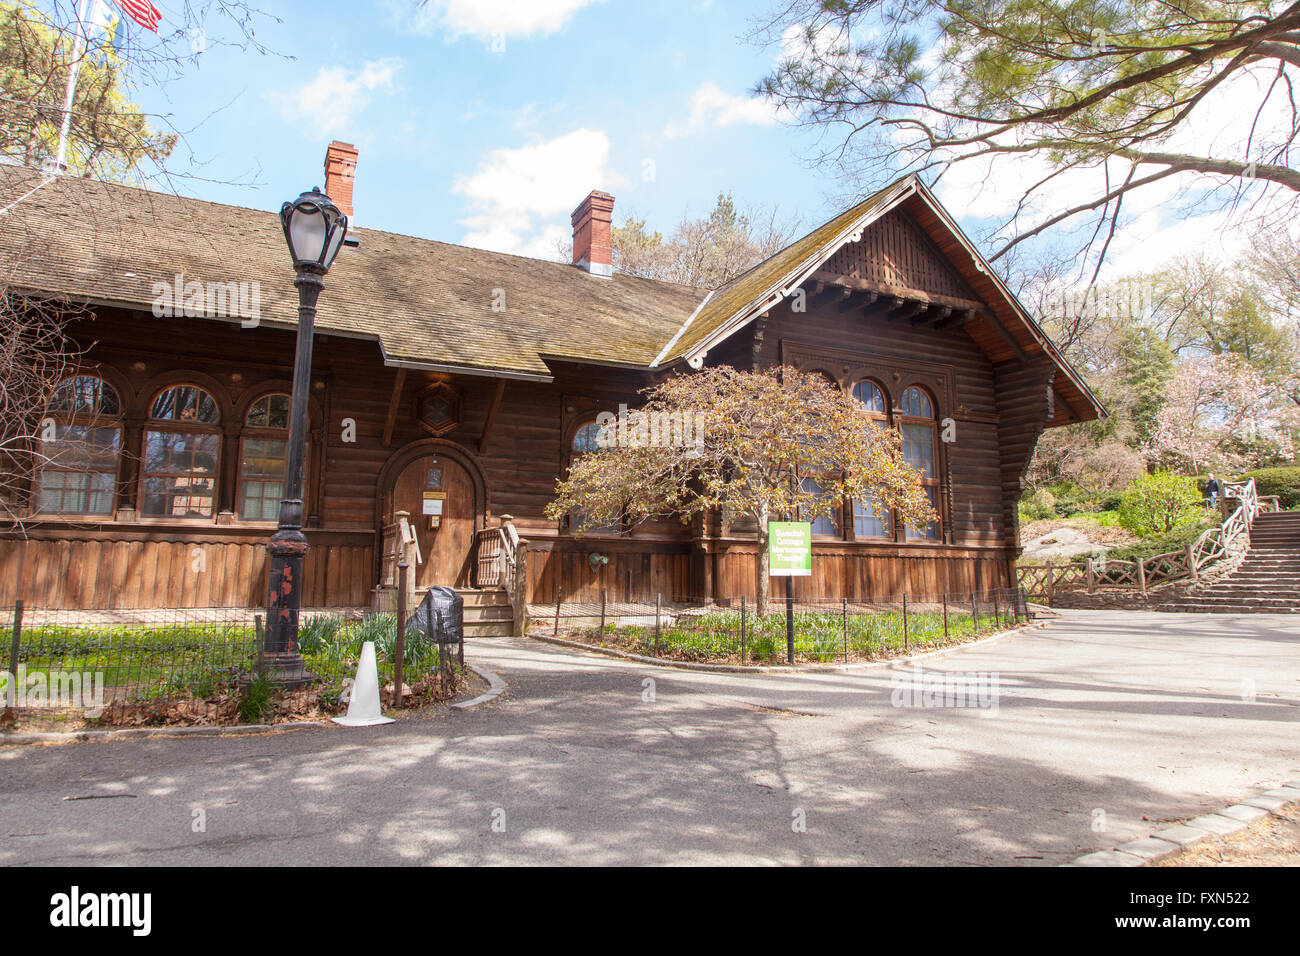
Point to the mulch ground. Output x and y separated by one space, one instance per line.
1270 841
223 710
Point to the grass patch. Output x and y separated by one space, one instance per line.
255 704
202 660
819 636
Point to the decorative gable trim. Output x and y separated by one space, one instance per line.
795 277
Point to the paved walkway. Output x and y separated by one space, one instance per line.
1103 717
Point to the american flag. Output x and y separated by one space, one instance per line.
142 12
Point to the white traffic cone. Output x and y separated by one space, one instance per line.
363 708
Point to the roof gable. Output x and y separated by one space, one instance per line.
732 305
894 251
944 266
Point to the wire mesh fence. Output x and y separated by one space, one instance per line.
819 631
203 652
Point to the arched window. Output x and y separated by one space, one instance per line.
917 425
915 404
262 450
826 526
182 449
872 399
80 445
586 441
870 518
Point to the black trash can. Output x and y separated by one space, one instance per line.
440 616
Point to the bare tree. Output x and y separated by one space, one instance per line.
35 357
901 85
110 137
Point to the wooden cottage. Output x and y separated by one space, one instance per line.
449 374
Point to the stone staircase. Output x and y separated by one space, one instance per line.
487 612
1266 582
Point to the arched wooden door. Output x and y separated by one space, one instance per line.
436 483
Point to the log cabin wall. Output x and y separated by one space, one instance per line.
978 544
362 417
128 561
517 434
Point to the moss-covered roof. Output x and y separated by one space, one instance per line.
426 303
750 290
437 305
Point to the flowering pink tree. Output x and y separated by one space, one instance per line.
1220 412
766 445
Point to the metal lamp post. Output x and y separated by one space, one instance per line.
314 229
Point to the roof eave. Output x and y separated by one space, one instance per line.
793 278
1041 337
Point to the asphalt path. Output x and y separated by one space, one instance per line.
1073 737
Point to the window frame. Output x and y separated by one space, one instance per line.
836 517
571 455
180 426
88 420
878 419
266 432
902 418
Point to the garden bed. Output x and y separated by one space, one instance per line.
837 634
199 668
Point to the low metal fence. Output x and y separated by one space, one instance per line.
802 631
198 652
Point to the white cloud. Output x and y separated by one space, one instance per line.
514 192
1161 221
490 19
331 101
711 106
1156 223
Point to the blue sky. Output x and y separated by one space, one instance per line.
484 122
487 128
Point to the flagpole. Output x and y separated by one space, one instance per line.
78 49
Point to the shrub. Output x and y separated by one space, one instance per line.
1038 506
1109 501
1283 482
1160 503
1175 540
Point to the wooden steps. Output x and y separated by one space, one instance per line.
487 612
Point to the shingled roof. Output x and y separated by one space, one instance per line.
431 304
428 304
767 283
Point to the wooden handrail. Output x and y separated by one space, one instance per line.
496 555
1211 545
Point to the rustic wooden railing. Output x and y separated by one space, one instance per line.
500 560
1043 580
492 558
397 547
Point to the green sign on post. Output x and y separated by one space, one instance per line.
789 549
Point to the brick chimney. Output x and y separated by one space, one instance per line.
340 174
591 226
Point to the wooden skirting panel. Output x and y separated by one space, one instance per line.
873 575
631 574
143 570
635 572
